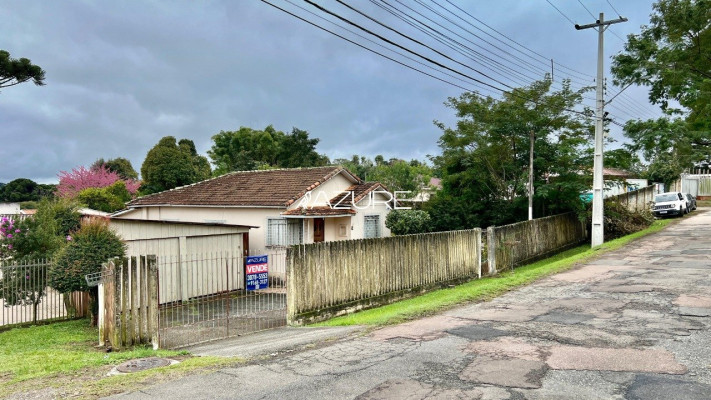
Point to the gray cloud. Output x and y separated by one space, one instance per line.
121 75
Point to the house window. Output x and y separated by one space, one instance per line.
371 228
284 231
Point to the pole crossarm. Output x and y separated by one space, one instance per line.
601 23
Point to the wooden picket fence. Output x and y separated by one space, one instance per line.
128 302
333 278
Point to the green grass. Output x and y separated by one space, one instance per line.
56 354
485 288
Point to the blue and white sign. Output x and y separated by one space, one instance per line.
257 272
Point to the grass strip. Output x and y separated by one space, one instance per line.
485 288
63 355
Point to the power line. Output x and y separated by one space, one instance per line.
391 50
408 19
613 8
504 35
512 93
586 9
366 48
406 49
561 12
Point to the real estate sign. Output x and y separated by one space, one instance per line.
257 272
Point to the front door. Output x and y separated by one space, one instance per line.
319 234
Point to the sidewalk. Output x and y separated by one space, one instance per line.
633 324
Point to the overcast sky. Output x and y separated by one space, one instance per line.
123 74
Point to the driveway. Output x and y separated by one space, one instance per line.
633 324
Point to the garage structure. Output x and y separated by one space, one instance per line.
201 280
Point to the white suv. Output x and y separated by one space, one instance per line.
670 203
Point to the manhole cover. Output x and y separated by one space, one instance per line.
142 364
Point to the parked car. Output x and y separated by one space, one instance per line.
670 203
690 202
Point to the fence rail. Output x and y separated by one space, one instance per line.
25 297
332 278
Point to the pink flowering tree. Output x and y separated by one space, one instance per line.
8 231
80 178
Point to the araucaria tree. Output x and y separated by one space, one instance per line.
171 164
485 158
15 71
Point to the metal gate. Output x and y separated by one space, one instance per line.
203 297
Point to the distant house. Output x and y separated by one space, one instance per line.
618 181
287 206
425 193
9 208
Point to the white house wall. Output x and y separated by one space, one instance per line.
366 207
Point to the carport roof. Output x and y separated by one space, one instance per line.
149 221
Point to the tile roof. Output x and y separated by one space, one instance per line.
359 192
268 188
320 211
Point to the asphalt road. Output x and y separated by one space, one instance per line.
633 324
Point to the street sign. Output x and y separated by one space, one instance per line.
257 272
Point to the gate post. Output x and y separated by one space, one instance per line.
153 301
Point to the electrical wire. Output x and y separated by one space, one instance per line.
563 66
561 12
586 9
614 9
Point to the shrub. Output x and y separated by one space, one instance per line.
406 222
620 221
43 234
94 244
108 199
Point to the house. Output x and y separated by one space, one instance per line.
286 206
618 181
9 208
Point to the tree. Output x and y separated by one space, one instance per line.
29 243
119 165
15 71
485 158
21 189
249 149
400 175
108 199
362 166
665 145
297 150
80 178
407 222
94 244
170 164
41 236
671 56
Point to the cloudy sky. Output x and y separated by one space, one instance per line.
121 75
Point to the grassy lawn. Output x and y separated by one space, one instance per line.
485 288
61 358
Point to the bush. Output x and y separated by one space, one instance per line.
45 233
406 222
103 199
94 244
620 221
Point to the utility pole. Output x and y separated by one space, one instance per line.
530 178
597 215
